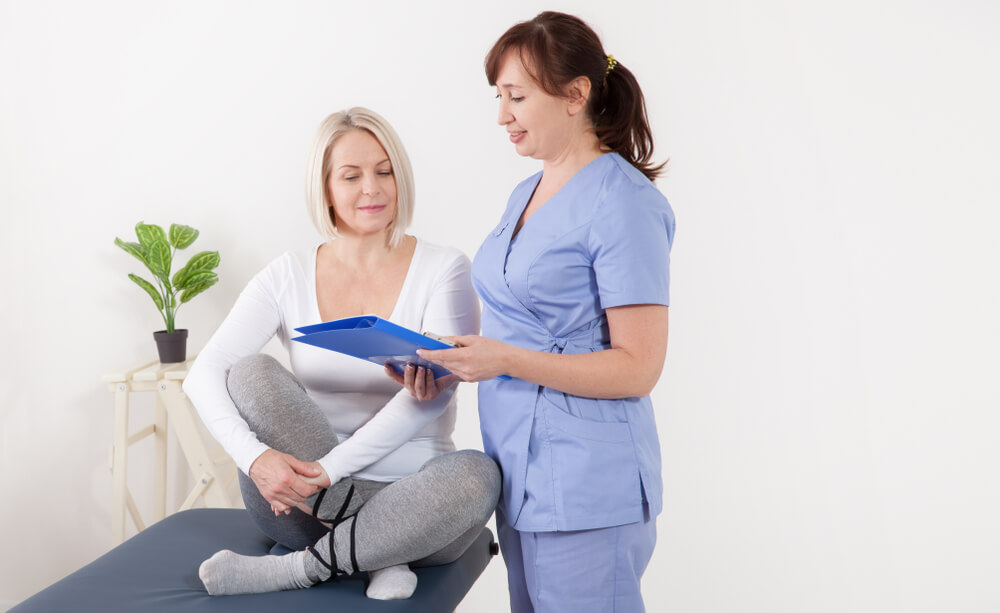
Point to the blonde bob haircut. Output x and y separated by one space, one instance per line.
320 166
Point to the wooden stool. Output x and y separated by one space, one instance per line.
213 472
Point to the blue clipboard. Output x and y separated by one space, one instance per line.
374 339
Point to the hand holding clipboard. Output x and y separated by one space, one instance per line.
449 358
377 340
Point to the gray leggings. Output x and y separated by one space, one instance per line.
428 518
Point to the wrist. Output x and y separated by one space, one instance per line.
253 464
509 362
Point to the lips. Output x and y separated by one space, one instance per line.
372 208
515 137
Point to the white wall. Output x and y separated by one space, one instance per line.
828 412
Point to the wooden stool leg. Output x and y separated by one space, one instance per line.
119 466
185 425
160 461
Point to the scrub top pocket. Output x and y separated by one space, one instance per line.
594 468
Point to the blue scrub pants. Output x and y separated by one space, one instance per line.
581 571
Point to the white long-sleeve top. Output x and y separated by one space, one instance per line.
384 433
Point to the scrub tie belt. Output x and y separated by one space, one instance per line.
582 342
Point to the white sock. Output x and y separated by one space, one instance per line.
393 583
231 573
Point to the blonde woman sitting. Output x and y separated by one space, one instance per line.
338 461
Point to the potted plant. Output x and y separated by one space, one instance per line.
156 249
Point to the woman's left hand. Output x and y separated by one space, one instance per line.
321 481
420 381
476 358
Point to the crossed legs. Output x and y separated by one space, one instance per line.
427 518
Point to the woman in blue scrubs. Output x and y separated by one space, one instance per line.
574 283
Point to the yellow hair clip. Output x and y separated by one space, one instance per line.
612 62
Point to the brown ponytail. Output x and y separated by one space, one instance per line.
556 48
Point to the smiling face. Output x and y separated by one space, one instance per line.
539 124
361 185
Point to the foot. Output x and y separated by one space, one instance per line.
393 583
231 573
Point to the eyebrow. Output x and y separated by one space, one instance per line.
379 163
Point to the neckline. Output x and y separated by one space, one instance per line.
515 231
417 250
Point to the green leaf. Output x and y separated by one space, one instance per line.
149 234
178 282
205 260
194 278
135 249
181 236
200 262
146 285
194 290
158 259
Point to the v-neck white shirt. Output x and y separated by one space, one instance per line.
384 433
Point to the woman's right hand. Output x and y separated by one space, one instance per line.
283 480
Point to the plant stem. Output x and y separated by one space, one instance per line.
170 310
164 313
169 305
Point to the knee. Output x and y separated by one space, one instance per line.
249 369
482 480
246 381
252 367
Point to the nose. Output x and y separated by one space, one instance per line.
504 116
369 184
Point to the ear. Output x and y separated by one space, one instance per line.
578 92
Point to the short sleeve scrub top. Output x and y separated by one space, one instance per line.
571 462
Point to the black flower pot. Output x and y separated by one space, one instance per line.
172 346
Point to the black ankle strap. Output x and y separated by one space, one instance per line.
319 501
354 559
335 572
332 566
343 508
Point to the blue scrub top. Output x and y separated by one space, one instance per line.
570 462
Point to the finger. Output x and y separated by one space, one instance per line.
284 502
300 490
439 355
289 485
321 480
290 489
408 374
305 469
395 376
419 383
429 385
